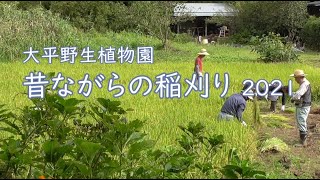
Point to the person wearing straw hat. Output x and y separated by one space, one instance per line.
234 107
199 62
302 101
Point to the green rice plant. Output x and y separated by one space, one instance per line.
279 125
256 111
163 116
273 120
290 110
275 117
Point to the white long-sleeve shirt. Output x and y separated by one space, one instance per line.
302 90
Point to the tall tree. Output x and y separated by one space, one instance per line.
261 17
155 17
293 16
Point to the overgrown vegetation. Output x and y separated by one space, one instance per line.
38 28
39 24
310 33
146 17
255 18
272 49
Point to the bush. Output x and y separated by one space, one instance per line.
242 37
183 38
132 40
52 139
272 49
224 40
38 29
311 33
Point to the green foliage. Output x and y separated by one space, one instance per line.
241 169
183 38
51 138
292 17
255 18
30 5
272 49
100 15
224 41
315 93
256 111
124 38
148 18
242 37
310 33
158 21
38 28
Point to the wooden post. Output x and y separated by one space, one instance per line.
206 29
178 28
198 31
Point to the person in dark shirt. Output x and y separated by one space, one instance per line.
283 91
234 107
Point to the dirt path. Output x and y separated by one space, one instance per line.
299 162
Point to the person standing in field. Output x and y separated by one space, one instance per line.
302 101
234 107
198 65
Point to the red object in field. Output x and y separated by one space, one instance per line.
42 177
199 62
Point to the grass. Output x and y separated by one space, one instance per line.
273 120
163 116
36 28
162 121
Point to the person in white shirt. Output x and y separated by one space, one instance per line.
302 101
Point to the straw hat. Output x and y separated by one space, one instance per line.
298 73
203 52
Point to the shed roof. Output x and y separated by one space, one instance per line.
314 3
204 9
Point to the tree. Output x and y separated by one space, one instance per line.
293 16
254 18
155 17
310 33
86 15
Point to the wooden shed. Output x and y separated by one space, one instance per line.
200 12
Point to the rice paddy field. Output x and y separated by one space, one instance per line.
163 116
269 143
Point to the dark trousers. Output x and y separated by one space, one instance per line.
273 105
